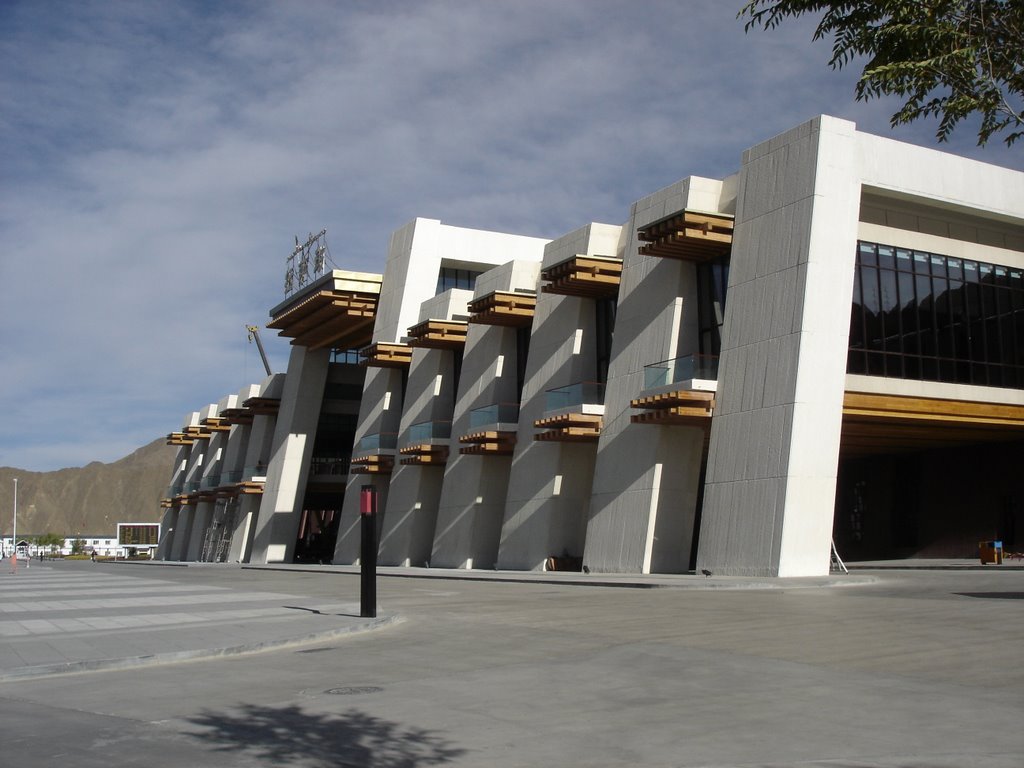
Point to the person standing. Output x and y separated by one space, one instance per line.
14 561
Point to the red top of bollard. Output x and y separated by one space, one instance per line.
368 500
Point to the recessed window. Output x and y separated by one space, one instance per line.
712 282
450 277
920 315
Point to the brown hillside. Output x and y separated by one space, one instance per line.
89 500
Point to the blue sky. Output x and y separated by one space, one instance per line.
158 159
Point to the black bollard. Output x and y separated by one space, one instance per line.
368 552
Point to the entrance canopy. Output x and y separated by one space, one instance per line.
876 423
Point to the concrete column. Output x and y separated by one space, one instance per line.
241 537
472 503
182 533
774 450
168 525
407 530
254 467
281 507
380 412
546 508
646 480
200 525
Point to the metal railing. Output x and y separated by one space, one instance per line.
329 465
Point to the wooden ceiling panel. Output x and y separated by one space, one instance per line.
874 423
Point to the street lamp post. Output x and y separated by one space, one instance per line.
14 535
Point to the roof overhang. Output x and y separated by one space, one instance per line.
337 310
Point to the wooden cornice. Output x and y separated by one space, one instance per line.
569 428
424 454
683 407
488 442
373 464
689 236
386 355
506 308
439 334
584 276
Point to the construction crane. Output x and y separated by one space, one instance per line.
254 333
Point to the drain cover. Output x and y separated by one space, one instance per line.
354 690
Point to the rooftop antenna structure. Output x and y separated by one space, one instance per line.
254 333
306 262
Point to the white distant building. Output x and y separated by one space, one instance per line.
103 546
828 344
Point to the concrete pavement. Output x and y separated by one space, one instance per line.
64 617
892 670
59 618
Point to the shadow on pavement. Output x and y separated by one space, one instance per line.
290 736
994 595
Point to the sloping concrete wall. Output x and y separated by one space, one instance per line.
472 503
646 481
774 450
281 506
549 485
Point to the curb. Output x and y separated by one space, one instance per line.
173 657
684 582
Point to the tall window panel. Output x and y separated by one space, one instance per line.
920 315
712 282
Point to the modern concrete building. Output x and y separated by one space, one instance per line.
826 346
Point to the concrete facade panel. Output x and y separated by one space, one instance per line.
280 507
815 165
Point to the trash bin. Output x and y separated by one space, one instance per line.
990 552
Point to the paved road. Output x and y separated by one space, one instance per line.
914 669
65 617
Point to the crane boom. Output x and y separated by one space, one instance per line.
254 333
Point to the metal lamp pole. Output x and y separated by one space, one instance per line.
15 533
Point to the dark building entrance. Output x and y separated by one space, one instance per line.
930 504
318 528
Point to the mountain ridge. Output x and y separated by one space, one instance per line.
89 500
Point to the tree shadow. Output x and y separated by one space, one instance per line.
290 736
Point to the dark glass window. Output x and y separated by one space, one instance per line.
920 315
334 435
345 356
522 353
604 316
856 360
456 373
712 282
339 390
449 277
